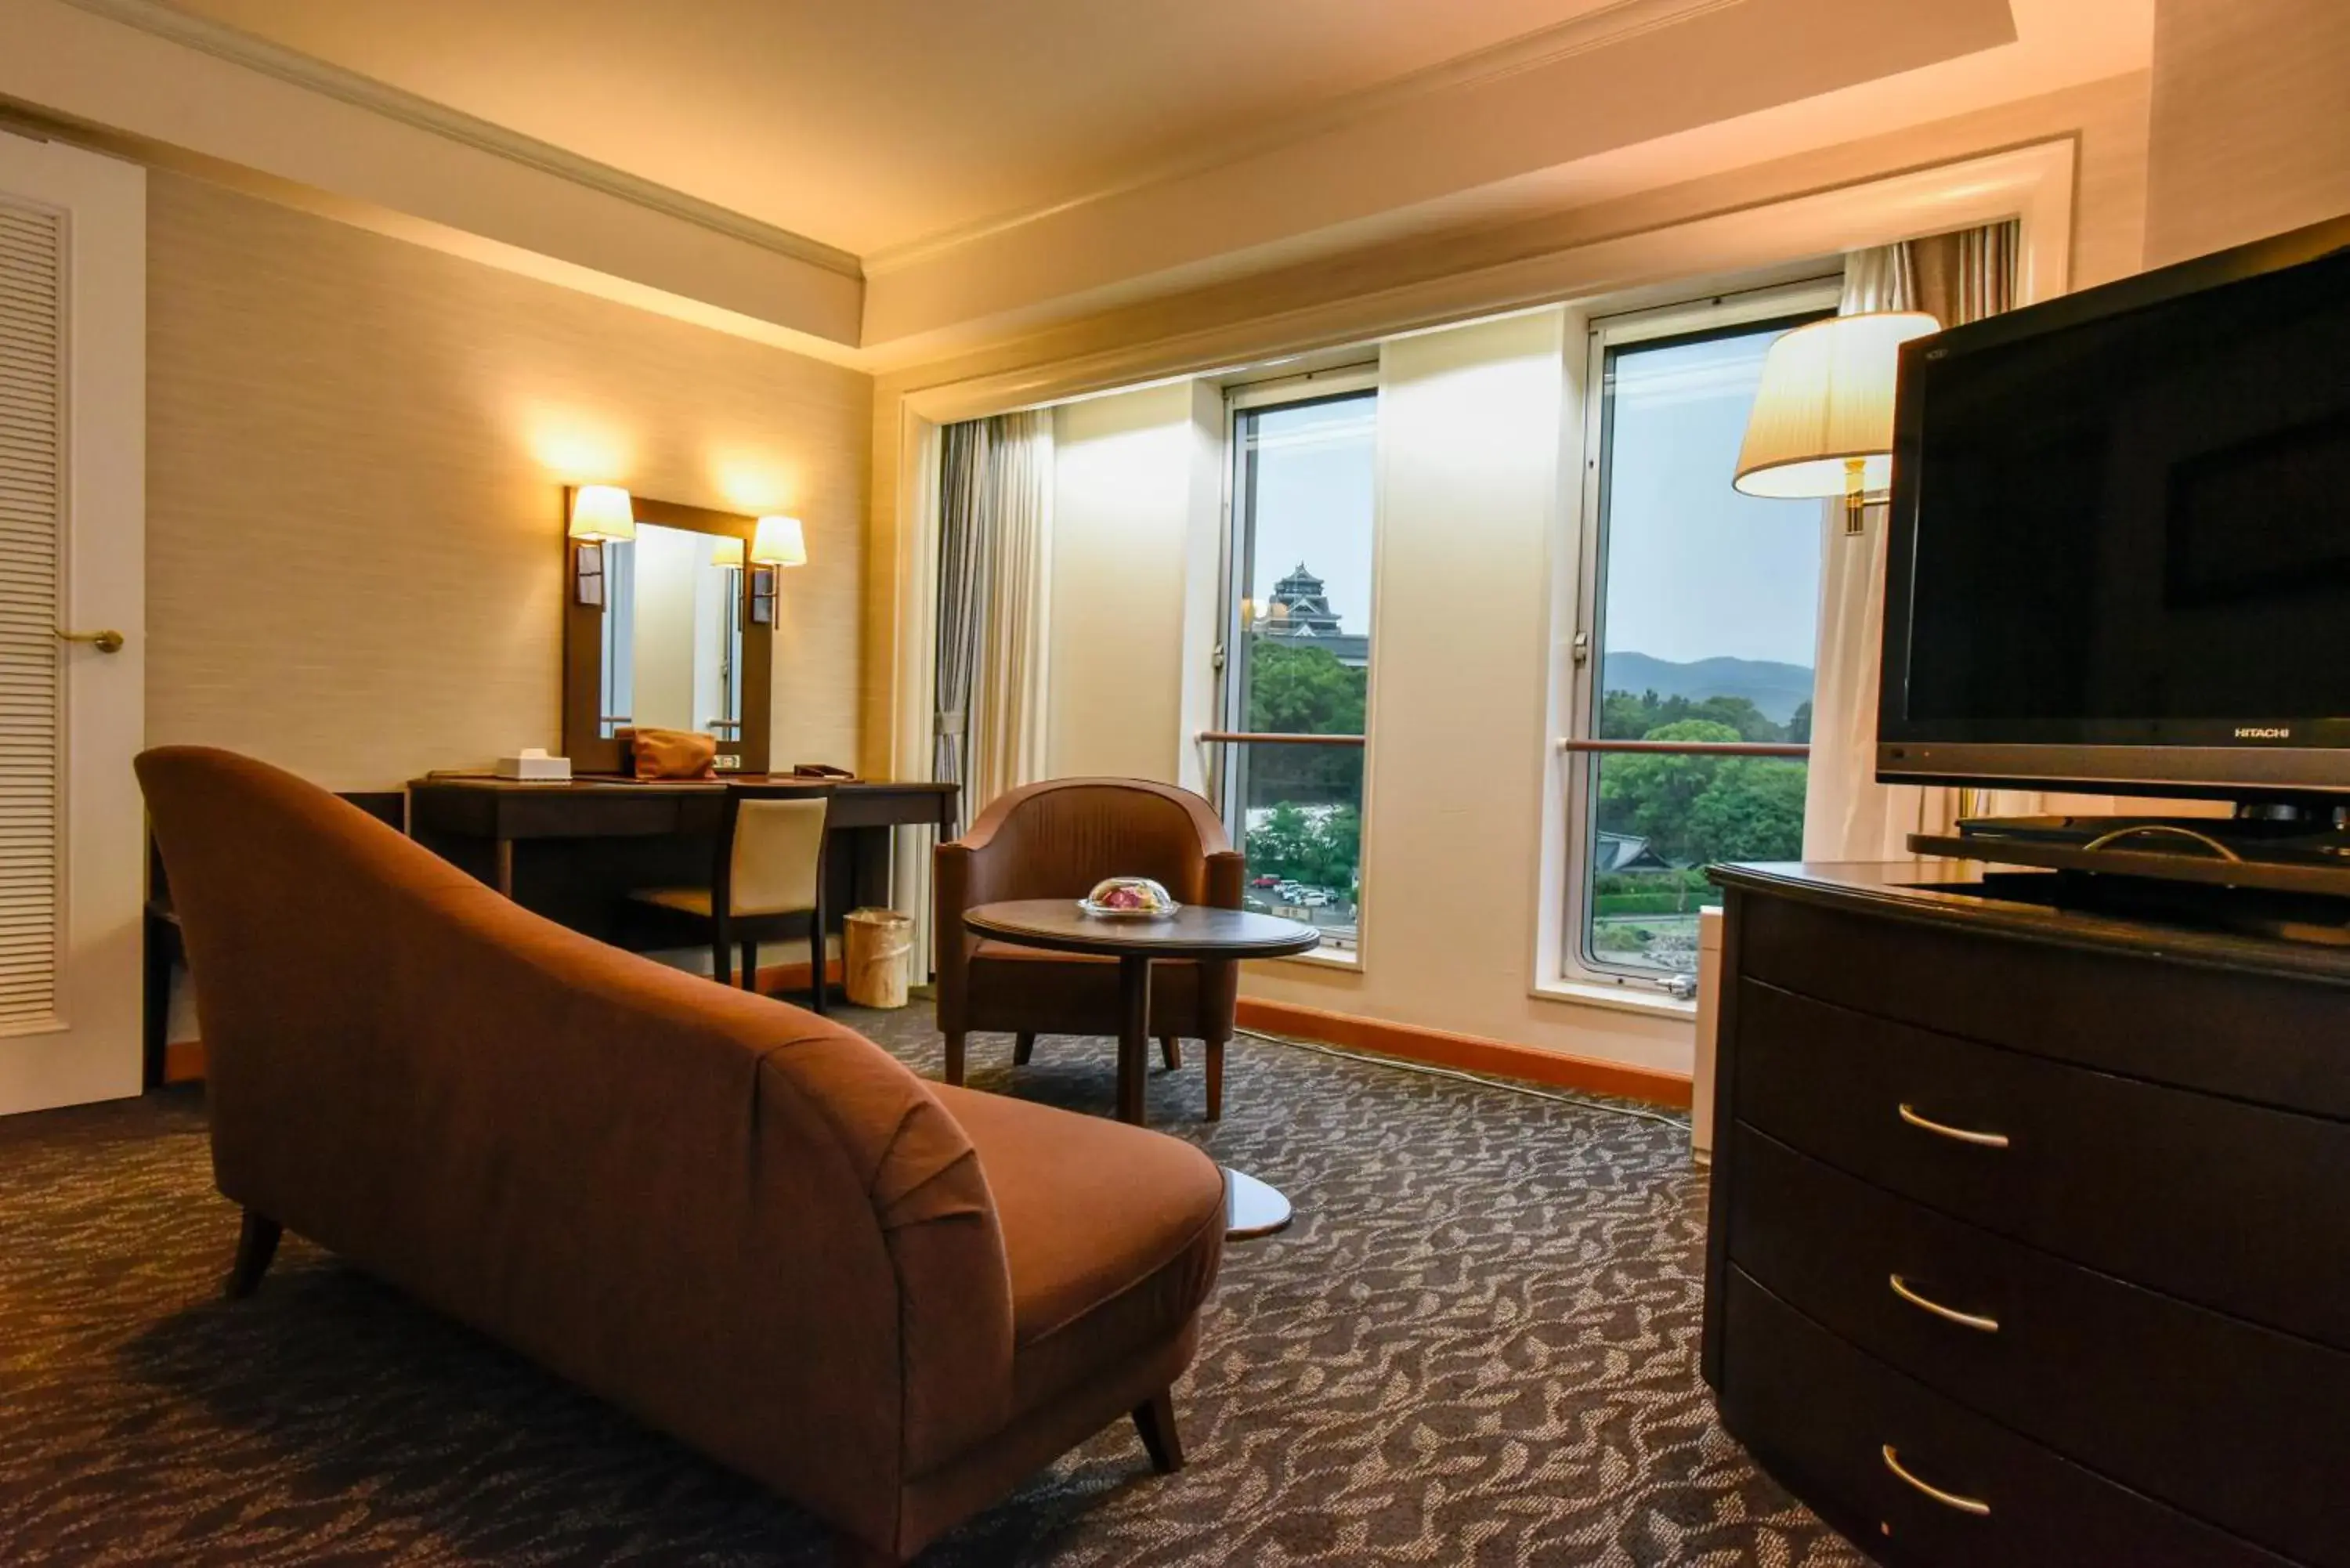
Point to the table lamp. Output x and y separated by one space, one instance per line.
1822 419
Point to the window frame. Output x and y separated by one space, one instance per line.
1717 314
1221 745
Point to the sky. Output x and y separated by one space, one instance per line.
1695 569
1313 482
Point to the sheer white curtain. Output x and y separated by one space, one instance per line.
995 537
1847 816
1007 702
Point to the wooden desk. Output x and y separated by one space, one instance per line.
572 851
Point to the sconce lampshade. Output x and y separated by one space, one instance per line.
601 513
1823 413
726 552
779 543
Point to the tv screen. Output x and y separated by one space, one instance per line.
2121 536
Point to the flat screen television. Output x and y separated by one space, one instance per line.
2119 546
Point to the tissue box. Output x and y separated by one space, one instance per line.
535 764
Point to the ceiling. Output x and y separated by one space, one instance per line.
870 125
895 180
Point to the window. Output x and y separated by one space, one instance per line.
1297 650
1696 635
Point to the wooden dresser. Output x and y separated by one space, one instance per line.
2030 1238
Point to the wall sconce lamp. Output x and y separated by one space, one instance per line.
777 542
1822 418
600 515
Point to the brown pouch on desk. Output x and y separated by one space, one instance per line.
670 753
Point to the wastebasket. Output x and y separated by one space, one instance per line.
879 956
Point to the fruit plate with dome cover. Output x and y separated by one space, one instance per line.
1128 898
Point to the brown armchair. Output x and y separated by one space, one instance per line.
1055 840
891 1301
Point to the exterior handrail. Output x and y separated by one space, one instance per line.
1275 738
1690 748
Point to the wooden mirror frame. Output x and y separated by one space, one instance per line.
590 751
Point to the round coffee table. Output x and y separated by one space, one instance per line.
1250 1207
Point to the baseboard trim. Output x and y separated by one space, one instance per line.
776 977
1470 1052
183 1060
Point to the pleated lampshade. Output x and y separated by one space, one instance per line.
602 511
778 542
1827 398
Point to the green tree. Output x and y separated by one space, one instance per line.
1322 849
1799 724
1303 691
1653 794
1627 716
1281 844
1696 809
1752 810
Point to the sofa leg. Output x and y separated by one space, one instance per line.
1170 1050
848 1551
955 1059
1215 1080
257 1244
1024 1045
1154 1419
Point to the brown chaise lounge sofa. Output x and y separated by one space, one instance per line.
891 1301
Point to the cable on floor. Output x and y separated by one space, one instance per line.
1402 1066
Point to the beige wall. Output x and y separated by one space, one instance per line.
355 453
2251 121
1125 508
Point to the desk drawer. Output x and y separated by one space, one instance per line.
1834 1421
2255 1424
2201 1198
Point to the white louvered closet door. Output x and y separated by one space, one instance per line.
72 542
32 568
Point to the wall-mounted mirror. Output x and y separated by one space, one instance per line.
673 633
658 634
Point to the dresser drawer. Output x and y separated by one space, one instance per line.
2201 1198
1836 1422
2256 1037
2255 1428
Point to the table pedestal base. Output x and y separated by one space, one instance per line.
1251 1208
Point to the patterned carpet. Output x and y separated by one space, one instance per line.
1478 1344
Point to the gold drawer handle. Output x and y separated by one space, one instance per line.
1973 1505
1964 1319
1962 1135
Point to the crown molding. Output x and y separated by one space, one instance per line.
241 48
1596 29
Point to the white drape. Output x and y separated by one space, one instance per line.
995 532
1008 694
1847 815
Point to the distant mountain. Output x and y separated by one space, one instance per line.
1776 689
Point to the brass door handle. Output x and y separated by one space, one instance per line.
1973 1505
1952 1314
1961 1135
104 641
